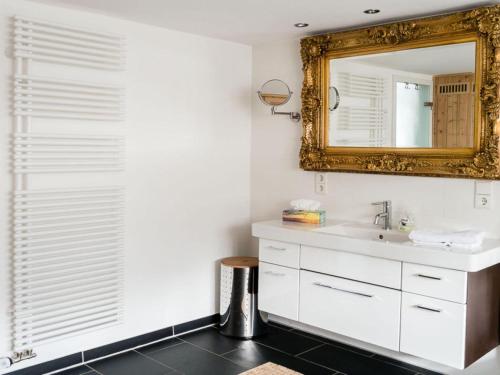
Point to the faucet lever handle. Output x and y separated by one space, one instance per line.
381 203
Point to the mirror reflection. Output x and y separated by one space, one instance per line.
274 92
417 98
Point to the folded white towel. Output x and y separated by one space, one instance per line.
464 239
305 204
445 245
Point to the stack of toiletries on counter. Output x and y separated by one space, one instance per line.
304 211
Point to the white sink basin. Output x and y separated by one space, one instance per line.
364 232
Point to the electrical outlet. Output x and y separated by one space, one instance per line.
483 195
483 201
321 183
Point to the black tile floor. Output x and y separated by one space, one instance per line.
206 352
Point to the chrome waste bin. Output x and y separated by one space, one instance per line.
240 316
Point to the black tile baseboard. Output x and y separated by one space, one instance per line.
119 346
49 366
164 333
279 325
195 324
419 370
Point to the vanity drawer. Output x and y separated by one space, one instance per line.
365 312
433 329
281 253
352 266
436 282
279 290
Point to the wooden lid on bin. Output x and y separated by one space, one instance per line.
241 262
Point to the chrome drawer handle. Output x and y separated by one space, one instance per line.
274 273
428 277
343 290
428 308
276 248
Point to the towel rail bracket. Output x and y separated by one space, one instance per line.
6 362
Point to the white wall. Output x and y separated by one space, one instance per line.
277 179
187 170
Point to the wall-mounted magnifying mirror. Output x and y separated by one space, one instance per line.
334 99
274 93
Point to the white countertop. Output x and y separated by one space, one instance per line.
464 260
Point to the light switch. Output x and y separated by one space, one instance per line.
321 183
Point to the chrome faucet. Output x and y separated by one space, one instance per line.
386 214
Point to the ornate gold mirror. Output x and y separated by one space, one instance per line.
417 98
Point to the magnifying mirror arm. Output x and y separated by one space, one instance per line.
295 116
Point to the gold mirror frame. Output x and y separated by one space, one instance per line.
481 25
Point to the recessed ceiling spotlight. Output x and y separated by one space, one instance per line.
371 11
301 24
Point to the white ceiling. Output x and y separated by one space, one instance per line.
259 21
430 60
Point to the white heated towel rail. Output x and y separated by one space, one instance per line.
48 97
361 86
61 44
64 153
67 262
67 265
361 118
